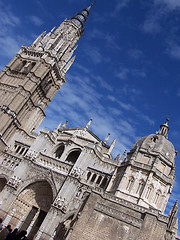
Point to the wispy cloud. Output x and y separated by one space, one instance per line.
171 4
160 9
152 22
120 5
36 20
173 49
94 54
80 100
9 22
135 54
110 40
124 73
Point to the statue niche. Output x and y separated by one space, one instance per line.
46 84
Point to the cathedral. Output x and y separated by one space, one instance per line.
65 183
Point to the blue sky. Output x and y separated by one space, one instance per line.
126 73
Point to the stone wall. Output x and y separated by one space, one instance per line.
105 219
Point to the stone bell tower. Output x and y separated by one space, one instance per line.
32 78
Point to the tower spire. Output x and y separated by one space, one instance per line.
81 17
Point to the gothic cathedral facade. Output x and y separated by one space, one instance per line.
65 184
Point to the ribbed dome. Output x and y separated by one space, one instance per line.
156 143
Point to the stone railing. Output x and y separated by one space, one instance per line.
53 163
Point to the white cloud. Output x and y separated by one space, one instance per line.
79 100
94 54
8 46
152 23
135 54
173 49
120 5
125 72
171 4
10 41
109 39
36 20
160 9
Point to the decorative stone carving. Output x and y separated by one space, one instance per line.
61 203
77 172
10 113
14 181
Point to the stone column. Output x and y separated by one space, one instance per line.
49 224
9 217
20 222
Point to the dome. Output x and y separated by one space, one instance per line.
156 143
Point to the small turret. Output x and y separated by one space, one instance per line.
164 128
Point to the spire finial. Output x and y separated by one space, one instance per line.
64 125
89 123
164 128
59 125
107 138
167 121
111 146
123 156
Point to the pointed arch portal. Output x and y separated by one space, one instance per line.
32 206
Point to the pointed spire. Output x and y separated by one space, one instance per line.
123 156
88 9
39 38
64 125
52 30
117 157
68 65
112 146
164 128
107 138
68 55
172 216
59 125
89 123
81 18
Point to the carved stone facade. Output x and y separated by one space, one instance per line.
65 184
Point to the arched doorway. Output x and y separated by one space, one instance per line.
32 206
3 182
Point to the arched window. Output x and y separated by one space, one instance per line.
130 184
104 183
59 151
149 191
73 156
157 195
20 65
140 187
28 67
